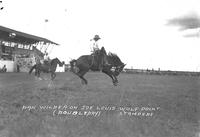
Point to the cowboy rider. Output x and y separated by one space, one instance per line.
46 59
102 60
95 43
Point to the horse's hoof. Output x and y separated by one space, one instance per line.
115 83
84 83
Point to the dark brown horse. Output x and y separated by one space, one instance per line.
91 62
47 68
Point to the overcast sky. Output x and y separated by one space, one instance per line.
141 32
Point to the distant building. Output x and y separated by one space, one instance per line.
18 50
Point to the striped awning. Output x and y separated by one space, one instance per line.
10 35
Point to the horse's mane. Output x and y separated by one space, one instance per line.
54 60
115 58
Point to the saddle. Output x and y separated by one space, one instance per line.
98 59
47 65
47 62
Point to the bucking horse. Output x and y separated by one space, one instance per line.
91 62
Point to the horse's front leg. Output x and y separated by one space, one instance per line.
38 75
116 80
35 72
115 77
110 74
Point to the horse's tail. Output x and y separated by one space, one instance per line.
33 67
72 65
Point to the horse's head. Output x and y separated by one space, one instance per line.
119 69
57 61
116 62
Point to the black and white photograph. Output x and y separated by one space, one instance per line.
99 68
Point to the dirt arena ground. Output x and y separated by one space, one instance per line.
140 106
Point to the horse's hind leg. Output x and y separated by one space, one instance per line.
84 81
39 75
81 74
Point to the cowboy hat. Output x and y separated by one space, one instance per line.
96 38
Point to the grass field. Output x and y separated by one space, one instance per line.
154 106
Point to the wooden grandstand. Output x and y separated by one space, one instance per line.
20 50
